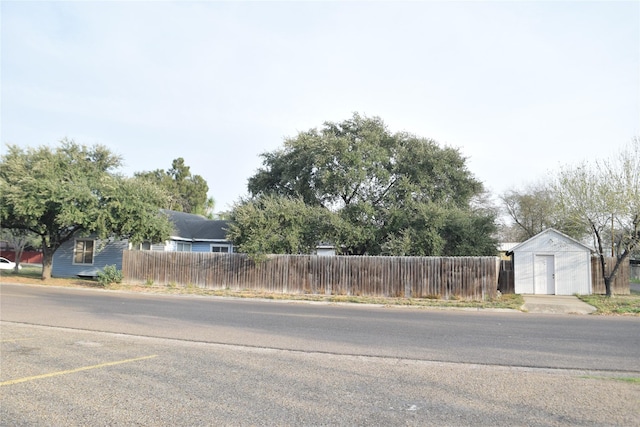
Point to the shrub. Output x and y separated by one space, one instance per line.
110 274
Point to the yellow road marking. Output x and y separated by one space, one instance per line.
17 339
71 371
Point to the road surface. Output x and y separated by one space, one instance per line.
78 357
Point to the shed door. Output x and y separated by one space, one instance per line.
545 277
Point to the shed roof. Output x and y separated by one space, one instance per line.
196 227
549 232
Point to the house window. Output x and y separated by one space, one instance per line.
83 252
144 246
220 248
183 246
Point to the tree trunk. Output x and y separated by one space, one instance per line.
607 284
607 279
614 271
19 251
47 262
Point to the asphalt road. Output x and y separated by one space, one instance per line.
506 339
90 357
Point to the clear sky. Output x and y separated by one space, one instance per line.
521 88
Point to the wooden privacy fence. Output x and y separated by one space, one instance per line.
620 285
506 282
411 277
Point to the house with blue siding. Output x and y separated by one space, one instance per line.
86 256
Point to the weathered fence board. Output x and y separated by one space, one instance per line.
620 285
416 277
506 282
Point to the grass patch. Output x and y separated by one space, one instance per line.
621 305
26 271
33 275
632 380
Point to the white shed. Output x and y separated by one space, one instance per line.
552 263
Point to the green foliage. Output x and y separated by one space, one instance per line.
74 189
186 192
632 380
359 161
469 233
109 275
394 194
274 224
19 238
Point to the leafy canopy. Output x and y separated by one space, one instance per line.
72 190
273 224
185 192
395 194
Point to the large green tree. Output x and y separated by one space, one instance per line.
393 193
277 225
604 198
74 190
186 192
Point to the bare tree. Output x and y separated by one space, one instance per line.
534 209
530 209
605 197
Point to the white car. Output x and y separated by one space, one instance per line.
5 264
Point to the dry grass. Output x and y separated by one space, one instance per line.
30 275
620 305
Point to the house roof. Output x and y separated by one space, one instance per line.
542 234
507 246
196 227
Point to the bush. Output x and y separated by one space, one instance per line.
110 274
